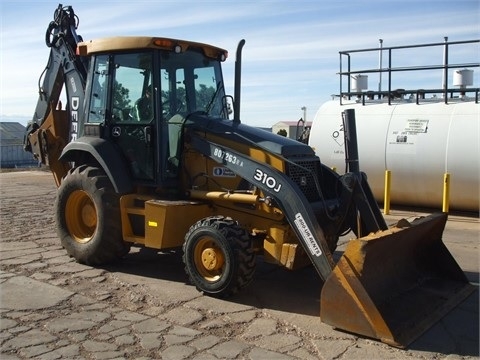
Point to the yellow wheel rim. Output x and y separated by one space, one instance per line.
81 216
209 259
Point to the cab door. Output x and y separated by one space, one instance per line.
132 123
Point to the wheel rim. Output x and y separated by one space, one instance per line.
209 259
81 216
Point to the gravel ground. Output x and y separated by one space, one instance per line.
142 307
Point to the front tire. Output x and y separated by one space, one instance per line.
218 256
88 217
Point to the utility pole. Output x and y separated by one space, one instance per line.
380 54
304 108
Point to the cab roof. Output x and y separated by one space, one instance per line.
121 43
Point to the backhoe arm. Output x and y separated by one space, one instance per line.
51 129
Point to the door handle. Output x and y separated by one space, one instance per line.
148 134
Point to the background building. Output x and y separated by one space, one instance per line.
11 146
293 129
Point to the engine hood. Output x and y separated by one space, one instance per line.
250 135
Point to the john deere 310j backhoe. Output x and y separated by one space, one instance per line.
145 154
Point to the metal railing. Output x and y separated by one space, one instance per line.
390 93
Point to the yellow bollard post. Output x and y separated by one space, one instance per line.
446 192
386 196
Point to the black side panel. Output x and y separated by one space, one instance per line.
104 152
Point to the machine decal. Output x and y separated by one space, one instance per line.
74 86
227 157
307 235
267 180
223 172
116 131
74 116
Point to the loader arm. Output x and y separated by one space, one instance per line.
355 182
391 283
283 191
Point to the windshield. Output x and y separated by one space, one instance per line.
191 82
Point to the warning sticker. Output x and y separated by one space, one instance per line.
415 126
409 135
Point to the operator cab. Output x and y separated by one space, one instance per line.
141 97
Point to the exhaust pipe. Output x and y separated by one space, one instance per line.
238 84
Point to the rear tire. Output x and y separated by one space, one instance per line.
88 217
218 256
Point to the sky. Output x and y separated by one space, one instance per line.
290 59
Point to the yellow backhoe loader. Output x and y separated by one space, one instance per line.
145 154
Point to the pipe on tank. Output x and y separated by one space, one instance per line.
351 145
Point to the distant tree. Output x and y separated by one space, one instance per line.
282 132
121 96
204 96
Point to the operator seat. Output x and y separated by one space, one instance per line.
175 125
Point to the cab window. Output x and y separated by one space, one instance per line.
98 94
132 99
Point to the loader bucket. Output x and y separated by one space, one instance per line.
395 284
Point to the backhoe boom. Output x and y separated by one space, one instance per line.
64 68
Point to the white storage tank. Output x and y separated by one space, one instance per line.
418 143
408 125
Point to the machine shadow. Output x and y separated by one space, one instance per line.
273 287
473 277
298 292
457 333
149 263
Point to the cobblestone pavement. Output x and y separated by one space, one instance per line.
141 308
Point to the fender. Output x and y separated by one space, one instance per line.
105 154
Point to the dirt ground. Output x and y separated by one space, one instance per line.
154 284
